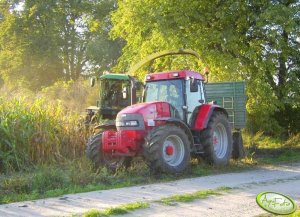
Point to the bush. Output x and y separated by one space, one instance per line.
293 141
262 141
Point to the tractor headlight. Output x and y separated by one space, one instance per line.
133 123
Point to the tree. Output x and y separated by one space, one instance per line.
56 39
257 41
10 46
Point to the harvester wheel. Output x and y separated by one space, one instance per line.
95 154
238 150
167 149
217 140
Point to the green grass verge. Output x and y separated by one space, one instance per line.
119 210
267 150
283 156
192 196
78 175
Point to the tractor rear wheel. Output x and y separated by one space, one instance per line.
167 149
95 154
217 140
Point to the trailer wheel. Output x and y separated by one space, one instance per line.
217 140
95 154
238 150
167 149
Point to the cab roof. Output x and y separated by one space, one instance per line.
115 76
180 74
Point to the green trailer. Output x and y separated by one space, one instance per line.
232 97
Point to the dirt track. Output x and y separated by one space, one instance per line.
239 202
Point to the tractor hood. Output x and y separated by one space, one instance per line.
146 112
153 110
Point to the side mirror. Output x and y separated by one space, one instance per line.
92 81
125 93
193 85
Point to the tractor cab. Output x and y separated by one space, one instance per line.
114 94
116 91
182 89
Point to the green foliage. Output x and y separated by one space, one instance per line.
265 149
257 42
46 41
293 141
192 196
119 210
49 181
92 213
289 117
48 178
66 176
261 141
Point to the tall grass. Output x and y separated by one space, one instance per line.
33 132
45 126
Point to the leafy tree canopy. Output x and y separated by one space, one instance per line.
256 41
43 41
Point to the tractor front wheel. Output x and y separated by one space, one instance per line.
167 149
95 154
217 140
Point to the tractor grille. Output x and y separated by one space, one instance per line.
131 117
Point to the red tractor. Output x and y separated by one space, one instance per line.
173 123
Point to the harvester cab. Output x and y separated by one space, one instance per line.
116 91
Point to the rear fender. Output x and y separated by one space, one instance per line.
179 123
204 114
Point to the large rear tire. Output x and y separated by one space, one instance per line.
217 140
167 149
95 154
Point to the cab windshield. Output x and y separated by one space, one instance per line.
170 91
111 93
